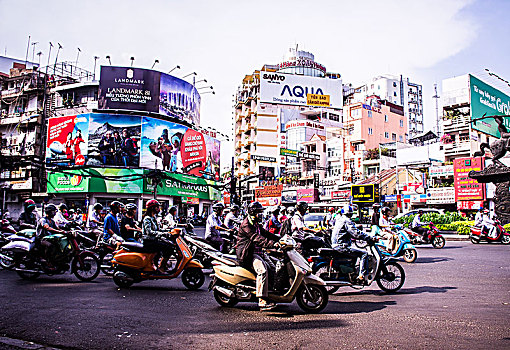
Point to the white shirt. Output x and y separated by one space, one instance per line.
383 222
478 219
486 220
94 216
60 220
297 225
417 222
230 219
171 221
210 229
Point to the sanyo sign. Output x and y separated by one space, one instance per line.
292 89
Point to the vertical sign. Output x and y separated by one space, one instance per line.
467 189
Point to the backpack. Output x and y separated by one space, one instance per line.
286 228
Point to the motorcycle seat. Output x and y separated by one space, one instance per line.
21 238
136 247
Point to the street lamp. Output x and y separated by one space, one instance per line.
205 87
208 92
108 58
155 61
187 75
176 67
203 80
132 60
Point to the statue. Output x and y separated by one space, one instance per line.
498 147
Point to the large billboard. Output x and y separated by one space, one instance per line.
67 140
490 101
184 186
150 91
295 90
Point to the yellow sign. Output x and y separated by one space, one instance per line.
317 100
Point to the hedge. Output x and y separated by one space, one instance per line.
462 227
437 219
507 227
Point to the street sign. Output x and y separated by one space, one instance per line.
298 154
263 158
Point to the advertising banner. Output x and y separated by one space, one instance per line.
342 195
467 189
445 170
69 182
469 205
308 195
390 198
67 140
184 186
487 100
131 182
365 193
289 197
317 100
178 149
298 154
441 195
270 201
150 91
293 89
268 191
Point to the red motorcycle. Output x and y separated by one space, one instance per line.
478 234
432 237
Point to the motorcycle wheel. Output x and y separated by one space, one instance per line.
474 240
393 280
5 263
193 278
505 239
360 244
315 302
123 279
106 264
223 300
90 269
438 242
324 271
410 255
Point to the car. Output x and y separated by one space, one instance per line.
415 211
313 220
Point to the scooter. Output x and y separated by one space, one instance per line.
476 234
404 247
432 237
7 235
232 283
338 270
134 263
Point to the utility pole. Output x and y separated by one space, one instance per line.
436 96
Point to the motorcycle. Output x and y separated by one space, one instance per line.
432 237
476 235
404 248
337 270
134 263
8 236
232 283
26 259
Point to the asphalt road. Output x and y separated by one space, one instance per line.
455 298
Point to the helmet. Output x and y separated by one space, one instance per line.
331 209
71 211
376 206
131 207
78 211
283 210
218 207
255 208
29 203
420 211
98 206
50 208
302 206
386 210
116 204
275 209
62 206
172 209
291 211
152 203
347 210
234 207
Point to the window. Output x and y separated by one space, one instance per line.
385 118
400 138
401 123
370 131
395 93
358 147
370 114
394 137
333 117
386 135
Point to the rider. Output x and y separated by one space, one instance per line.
170 218
252 238
214 226
96 220
27 219
111 230
298 227
152 234
341 239
328 221
46 226
479 218
60 218
488 224
129 230
273 224
385 224
376 215
417 225
232 218
283 215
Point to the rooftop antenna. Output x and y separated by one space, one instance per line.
39 55
436 96
33 50
77 56
28 47
56 57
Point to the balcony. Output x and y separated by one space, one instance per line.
14 92
16 118
457 148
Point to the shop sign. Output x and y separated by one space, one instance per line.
441 195
342 195
298 154
365 193
70 182
118 180
317 100
268 191
390 198
469 205
192 200
465 187
181 185
303 123
289 196
263 158
22 184
226 197
269 201
308 195
445 170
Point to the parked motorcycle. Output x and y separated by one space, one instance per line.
28 263
293 280
431 237
477 234
134 263
337 270
8 234
404 248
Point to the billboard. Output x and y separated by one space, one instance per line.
67 140
69 182
466 188
309 195
178 149
184 186
294 89
268 191
441 195
487 100
365 193
147 90
131 183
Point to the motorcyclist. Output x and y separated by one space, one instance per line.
152 234
384 225
251 239
60 218
273 224
341 239
27 219
129 230
232 218
479 218
213 228
96 221
46 226
417 226
111 230
329 217
376 214
170 219
488 224
299 229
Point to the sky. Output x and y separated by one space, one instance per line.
222 41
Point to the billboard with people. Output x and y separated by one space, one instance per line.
67 141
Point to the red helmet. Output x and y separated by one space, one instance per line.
331 209
152 203
29 203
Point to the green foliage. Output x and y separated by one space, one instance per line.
437 219
461 227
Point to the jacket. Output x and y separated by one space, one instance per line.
343 233
250 235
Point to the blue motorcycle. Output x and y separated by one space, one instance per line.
404 247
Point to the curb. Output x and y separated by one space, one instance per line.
22 344
454 237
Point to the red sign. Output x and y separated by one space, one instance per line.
469 205
193 153
467 189
268 191
308 195
341 195
226 197
269 201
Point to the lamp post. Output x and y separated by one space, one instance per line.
95 61
187 75
176 67
109 60
205 87
132 60
155 61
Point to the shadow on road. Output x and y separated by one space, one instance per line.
428 260
425 289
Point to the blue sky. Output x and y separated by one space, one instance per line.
223 40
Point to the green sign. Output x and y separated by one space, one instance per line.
129 180
69 182
487 100
288 152
184 186
299 154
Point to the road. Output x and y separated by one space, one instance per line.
455 298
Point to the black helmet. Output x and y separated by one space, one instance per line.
172 209
218 207
255 208
302 206
78 211
291 211
98 206
50 208
385 210
131 207
234 207
116 204
275 209
62 206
